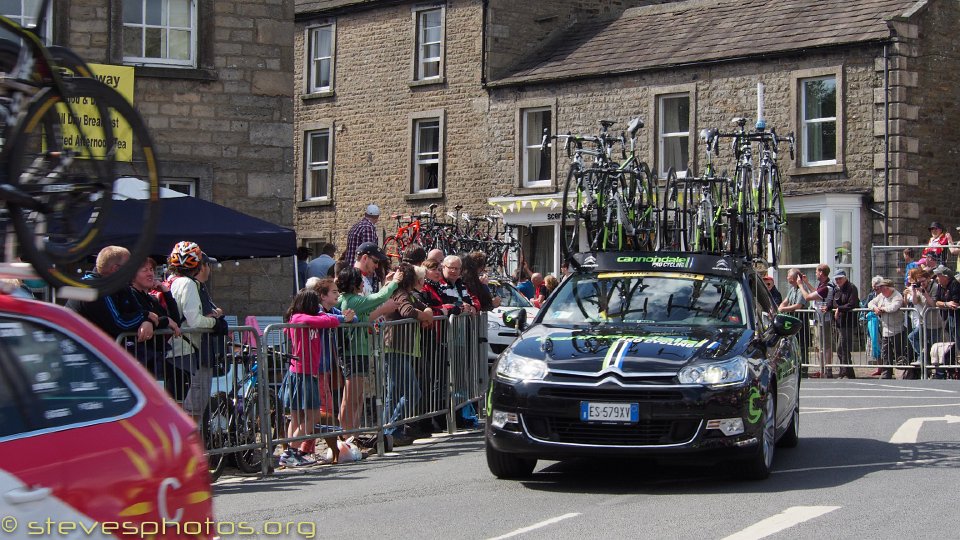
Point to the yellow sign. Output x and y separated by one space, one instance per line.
84 130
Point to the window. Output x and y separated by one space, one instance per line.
426 173
316 185
320 68
24 12
429 53
543 243
160 32
674 133
822 228
187 187
819 117
70 384
537 170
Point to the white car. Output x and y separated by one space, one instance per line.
500 336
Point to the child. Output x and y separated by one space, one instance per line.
301 392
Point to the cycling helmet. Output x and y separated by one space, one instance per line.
186 255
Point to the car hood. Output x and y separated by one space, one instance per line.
648 350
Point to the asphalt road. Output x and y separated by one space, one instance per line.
877 459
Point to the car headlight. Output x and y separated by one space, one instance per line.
724 373
521 368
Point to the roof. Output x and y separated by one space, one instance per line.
698 31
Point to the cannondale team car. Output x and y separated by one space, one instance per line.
90 445
658 355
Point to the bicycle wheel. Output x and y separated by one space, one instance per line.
692 217
248 430
778 217
68 187
392 249
215 430
647 208
671 227
571 202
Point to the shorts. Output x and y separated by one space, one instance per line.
300 392
355 366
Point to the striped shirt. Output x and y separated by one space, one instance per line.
362 231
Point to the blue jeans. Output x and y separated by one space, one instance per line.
403 389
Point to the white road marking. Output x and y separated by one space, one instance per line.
850 385
910 430
880 396
912 462
819 410
535 526
794 515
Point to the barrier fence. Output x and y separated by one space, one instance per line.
371 378
915 343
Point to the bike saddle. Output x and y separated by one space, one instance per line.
635 126
606 124
740 121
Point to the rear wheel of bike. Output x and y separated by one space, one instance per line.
778 217
70 186
647 208
672 221
570 214
248 429
693 220
392 249
215 429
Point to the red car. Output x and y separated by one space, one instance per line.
89 442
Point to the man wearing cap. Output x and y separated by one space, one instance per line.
947 300
845 299
368 258
362 231
887 306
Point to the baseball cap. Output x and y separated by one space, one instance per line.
936 225
942 271
839 273
208 259
885 282
371 249
373 210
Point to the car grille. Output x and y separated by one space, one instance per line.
497 348
643 433
629 395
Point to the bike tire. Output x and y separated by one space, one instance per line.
692 217
779 215
215 430
570 214
672 222
648 208
248 431
392 249
68 228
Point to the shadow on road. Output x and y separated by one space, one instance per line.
815 463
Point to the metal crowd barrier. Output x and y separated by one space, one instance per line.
400 373
924 346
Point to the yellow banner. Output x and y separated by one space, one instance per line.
86 124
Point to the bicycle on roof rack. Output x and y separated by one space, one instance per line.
614 204
66 138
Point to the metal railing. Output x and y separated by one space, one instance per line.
372 378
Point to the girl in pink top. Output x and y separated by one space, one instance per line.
301 391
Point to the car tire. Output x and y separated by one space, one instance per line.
758 466
508 466
791 437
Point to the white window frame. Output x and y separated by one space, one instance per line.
166 27
662 135
174 184
532 151
427 158
25 19
314 60
831 207
311 167
420 61
805 122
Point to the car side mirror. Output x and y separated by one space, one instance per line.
516 318
786 325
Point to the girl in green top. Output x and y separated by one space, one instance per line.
355 360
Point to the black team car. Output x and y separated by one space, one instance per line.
661 355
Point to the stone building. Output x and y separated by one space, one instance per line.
410 103
212 78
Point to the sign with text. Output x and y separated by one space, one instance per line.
84 131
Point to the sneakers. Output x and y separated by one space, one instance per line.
292 457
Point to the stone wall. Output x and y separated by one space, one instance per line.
229 124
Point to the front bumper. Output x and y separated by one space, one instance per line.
672 420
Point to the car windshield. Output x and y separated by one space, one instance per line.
509 295
648 298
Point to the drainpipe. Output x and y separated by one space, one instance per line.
483 44
886 145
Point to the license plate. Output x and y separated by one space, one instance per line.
592 411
